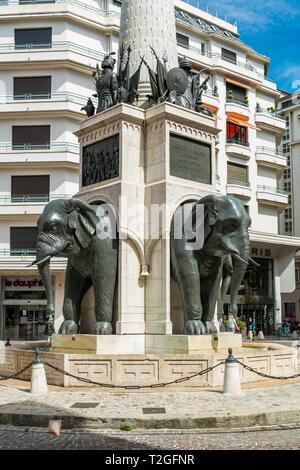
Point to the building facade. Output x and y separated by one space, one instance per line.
290 219
48 51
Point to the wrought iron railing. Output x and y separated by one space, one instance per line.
271 189
31 198
238 141
60 146
270 113
238 182
270 151
240 102
64 95
17 252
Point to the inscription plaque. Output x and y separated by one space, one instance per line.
100 161
190 159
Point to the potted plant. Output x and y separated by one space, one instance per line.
246 100
216 91
230 95
243 326
205 87
271 109
258 108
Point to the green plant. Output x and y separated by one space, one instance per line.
258 108
230 95
246 100
242 324
205 87
271 109
126 427
226 322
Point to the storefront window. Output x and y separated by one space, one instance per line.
258 281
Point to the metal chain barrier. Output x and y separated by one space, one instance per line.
135 387
266 375
16 375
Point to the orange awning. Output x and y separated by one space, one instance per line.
214 109
240 122
237 83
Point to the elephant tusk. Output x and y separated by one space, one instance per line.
237 257
254 262
44 260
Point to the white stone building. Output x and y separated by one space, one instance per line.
290 218
48 51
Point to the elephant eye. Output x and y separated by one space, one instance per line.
54 228
231 225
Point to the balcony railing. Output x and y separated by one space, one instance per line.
60 146
34 198
270 151
238 141
272 189
17 252
98 11
270 113
80 99
240 102
64 45
238 182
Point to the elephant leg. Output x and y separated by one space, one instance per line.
104 281
186 272
74 286
210 290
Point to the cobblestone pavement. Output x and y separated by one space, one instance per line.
274 405
280 438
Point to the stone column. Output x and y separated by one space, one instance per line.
147 23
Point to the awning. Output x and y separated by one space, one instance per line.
237 83
240 119
214 109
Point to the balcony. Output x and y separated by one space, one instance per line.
271 158
237 106
12 259
238 148
239 189
30 56
26 205
271 121
59 104
272 196
55 154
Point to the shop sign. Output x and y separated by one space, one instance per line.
266 252
23 283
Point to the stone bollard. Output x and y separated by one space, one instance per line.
250 335
232 383
8 343
295 334
260 335
38 376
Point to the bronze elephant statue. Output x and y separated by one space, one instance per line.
72 229
199 272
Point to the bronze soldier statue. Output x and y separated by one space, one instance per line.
106 84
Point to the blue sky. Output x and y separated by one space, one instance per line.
271 27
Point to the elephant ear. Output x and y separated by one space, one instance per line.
211 204
83 220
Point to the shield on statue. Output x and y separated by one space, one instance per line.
177 80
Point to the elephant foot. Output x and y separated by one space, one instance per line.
68 327
211 328
194 327
102 328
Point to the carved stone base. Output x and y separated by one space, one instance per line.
145 344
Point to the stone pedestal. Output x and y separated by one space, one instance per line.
145 344
143 188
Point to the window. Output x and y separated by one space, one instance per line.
297 274
238 92
287 120
31 137
228 55
32 87
290 309
33 38
182 40
23 239
287 186
288 213
289 199
287 174
30 188
237 173
237 134
288 227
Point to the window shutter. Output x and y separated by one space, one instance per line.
237 172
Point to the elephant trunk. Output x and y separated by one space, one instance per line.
239 270
44 270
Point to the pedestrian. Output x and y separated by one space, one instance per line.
49 329
231 324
